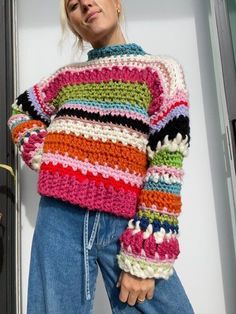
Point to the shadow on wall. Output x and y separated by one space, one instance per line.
135 9
30 203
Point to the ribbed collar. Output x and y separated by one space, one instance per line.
115 50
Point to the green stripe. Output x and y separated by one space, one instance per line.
15 111
167 158
158 216
132 93
159 267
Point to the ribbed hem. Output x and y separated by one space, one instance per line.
144 269
87 194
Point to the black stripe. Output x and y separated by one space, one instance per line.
27 106
177 125
129 122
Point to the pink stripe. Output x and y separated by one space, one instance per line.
21 135
168 249
139 63
179 96
163 170
86 166
145 258
46 108
16 118
87 194
30 146
106 74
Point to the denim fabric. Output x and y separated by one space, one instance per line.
69 243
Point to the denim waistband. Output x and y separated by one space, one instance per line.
88 244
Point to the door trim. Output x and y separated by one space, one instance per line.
8 271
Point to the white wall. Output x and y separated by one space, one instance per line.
178 28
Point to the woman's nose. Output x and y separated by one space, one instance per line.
85 4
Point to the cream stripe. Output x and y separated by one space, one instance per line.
159 236
178 144
155 177
98 132
141 267
109 124
138 62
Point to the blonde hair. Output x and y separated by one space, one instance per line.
66 27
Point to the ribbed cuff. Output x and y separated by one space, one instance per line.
143 268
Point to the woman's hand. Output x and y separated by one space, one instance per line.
133 288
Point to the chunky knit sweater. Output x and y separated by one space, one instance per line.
110 134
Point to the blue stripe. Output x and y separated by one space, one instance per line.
157 225
107 105
163 186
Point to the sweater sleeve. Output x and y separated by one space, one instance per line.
31 115
149 245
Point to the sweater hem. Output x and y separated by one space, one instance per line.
87 193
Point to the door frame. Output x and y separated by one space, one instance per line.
225 73
228 69
8 270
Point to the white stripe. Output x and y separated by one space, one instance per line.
98 132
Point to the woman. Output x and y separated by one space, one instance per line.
108 137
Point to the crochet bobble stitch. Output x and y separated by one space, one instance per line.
110 134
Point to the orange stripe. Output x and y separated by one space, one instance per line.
112 154
26 126
161 200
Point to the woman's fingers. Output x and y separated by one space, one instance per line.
124 294
132 299
133 288
150 294
142 296
119 280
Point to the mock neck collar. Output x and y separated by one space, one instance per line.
115 50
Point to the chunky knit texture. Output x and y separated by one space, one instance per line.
110 134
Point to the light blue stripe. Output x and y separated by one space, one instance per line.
174 188
108 105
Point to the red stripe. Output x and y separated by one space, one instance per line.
118 185
176 104
42 106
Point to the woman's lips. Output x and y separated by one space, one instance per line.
92 16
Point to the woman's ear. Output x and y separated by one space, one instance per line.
117 4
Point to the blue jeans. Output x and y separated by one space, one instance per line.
69 244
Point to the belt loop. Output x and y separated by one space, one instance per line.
87 246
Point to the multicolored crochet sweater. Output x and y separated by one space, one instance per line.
110 134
